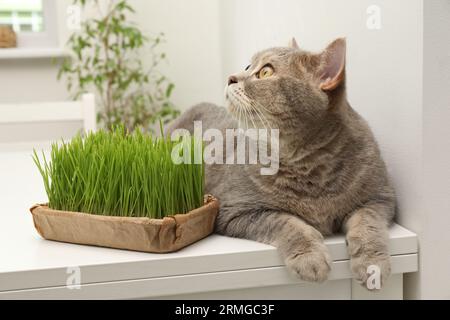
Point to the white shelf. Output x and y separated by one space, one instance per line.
32 267
32 53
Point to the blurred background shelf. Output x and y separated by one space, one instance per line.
32 53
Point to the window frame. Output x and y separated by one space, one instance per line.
48 38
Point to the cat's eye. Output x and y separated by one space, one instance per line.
247 67
265 72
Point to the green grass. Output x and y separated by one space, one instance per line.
120 174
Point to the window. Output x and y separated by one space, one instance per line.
22 15
34 21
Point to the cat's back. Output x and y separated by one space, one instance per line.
365 167
207 115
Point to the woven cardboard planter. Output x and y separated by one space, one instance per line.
7 37
140 234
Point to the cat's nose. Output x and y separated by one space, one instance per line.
232 79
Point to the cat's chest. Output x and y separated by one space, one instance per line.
291 193
311 199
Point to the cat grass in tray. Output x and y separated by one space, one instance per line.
122 190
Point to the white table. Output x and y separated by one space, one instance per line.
216 267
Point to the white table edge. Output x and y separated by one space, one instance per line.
195 283
264 257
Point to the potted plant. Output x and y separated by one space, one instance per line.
106 59
122 190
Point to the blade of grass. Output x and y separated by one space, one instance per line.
122 174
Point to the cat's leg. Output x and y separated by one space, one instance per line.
300 245
367 239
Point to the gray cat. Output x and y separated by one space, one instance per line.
331 176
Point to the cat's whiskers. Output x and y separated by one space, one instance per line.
239 117
257 112
241 106
250 108
262 117
247 115
261 106
236 105
245 107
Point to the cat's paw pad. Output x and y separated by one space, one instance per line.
310 266
371 271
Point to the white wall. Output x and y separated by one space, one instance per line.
400 87
434 280
192 47
385 84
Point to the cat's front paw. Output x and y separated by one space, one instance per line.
312 266
371 270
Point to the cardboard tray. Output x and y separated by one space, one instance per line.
139 234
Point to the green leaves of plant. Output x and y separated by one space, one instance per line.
121 174
106 61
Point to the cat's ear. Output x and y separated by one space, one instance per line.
293 44
332 66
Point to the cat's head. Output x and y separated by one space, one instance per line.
288 87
